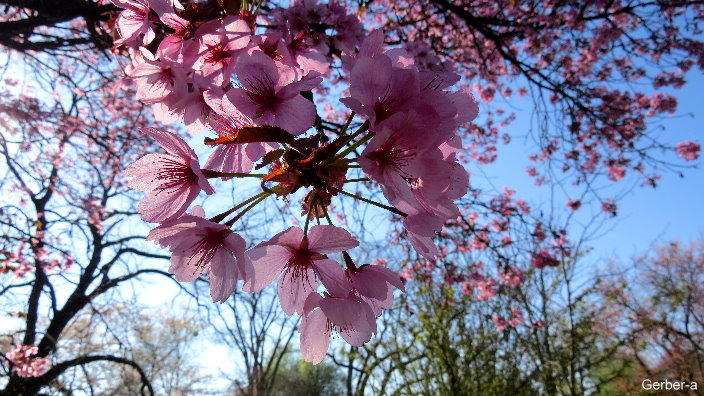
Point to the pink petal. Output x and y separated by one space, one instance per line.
198 211
467 106
293 290
315 337
313 61
291 237
295 115
168 233
268 262
332 276
166 204
373 44
238 100
378 306
170 142
370 79
353 104
423 245
307 83
256 69
184 271
222 286
330 239
369 284
229 158
312 302
389 275
143 171
342 312
362 332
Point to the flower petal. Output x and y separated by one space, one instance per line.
330 239
315 337
294 287
170 142
332 276
268 262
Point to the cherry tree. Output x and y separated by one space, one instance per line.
656 307
67 238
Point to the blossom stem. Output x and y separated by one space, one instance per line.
262 197
358 143
343 130
348 261
361 179
369 201
311 208
221 216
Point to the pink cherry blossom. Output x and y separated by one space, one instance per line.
487 289
174 179
512 277
418 175
574 204
190 106
544 259
270 95
374 284
379 90
25 364
348 315
500 322
220 43
395 155
302 260
303 55
689 150
198 246
157 79
609 206
134 22
517 318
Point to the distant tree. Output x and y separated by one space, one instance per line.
160 342
658 309
259 336
301 378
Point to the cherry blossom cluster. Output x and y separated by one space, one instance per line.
689 150
17 263
250 79
515 320
23 361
